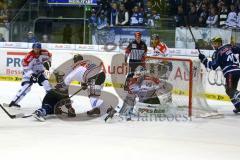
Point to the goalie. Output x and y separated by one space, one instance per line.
147 88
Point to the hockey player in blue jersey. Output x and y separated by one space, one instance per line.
225 58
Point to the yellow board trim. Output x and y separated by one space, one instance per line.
211 96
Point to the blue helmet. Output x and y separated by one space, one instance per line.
37 45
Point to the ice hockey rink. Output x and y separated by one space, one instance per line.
205 139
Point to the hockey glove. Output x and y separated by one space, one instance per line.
47 65
202 57
84 86
34 78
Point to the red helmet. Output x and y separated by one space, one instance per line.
138 34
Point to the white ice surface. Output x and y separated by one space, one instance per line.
28 139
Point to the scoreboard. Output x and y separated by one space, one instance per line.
71 2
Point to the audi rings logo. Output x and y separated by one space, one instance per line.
215 77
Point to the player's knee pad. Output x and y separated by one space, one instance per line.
130 100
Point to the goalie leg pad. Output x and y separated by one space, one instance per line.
128 105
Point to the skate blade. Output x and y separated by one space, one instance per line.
94 115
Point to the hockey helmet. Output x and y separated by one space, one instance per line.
138 34
77 57
37 45
59 75
216 39
155 40
155 37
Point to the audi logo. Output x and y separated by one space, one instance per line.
215 77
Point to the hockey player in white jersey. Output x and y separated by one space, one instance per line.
91 77
34 65
147 88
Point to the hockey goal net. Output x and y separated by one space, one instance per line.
188 84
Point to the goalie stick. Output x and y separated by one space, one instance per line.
14 116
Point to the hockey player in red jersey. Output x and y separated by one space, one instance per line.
34 64
159 48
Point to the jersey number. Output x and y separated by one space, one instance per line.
232 58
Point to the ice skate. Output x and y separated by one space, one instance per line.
110 111
94 112
13 104
236 110
71 112
40 115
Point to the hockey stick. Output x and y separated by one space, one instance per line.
194 39
13 116
189 27
75 92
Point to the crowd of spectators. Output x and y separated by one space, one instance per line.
123 13
4 19
208 13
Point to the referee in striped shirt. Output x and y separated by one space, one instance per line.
136 51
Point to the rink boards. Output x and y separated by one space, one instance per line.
112 61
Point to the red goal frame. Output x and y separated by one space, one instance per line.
190 62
